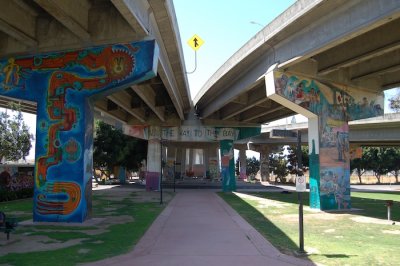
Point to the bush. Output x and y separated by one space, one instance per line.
7 195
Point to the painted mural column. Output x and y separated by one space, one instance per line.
213 165
243 163
169 174
153 159
227 166
328 107
264 163
64 85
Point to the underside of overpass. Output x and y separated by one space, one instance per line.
354 43
34 27
327 60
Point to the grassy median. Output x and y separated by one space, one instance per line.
359 237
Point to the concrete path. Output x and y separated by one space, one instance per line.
199 228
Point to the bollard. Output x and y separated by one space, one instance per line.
389 204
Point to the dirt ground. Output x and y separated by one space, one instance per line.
26 240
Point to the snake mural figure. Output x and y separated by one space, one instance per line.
64 85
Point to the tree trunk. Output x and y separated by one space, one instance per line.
378 177
359 178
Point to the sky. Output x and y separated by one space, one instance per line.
225 26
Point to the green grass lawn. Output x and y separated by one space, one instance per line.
126 216
362 237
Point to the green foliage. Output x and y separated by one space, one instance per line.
292 159
15 139
358 165
253 166
379 160
8 195
393 158
394 102
278 164
113 148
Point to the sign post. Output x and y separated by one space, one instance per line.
161 170
300 188
195 42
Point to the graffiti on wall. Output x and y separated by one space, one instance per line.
335 106
12 178
213 168
61 84
334 101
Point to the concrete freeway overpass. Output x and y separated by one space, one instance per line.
377 131
33 27
355 43
352 44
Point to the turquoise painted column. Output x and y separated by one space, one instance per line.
329 107
227 166
64 85
122 175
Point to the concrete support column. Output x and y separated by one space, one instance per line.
329 107
180 161
213 163
206 162
329 164
153 164
227 166
183 161
169 173
190 167
63 85
264 163
242 163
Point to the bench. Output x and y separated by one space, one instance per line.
7 225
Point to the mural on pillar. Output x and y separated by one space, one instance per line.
61 83
213 168
227 166
335 105
264 165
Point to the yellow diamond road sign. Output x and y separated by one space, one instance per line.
195 42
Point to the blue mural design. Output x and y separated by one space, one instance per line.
64 85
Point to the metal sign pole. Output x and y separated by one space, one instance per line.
174 174
300 194
161 171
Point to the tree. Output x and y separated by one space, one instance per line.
253 166
278 164
15 139
292 159
393 158
394 102
113 148
359 166
376 160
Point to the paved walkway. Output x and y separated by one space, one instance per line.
199 228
